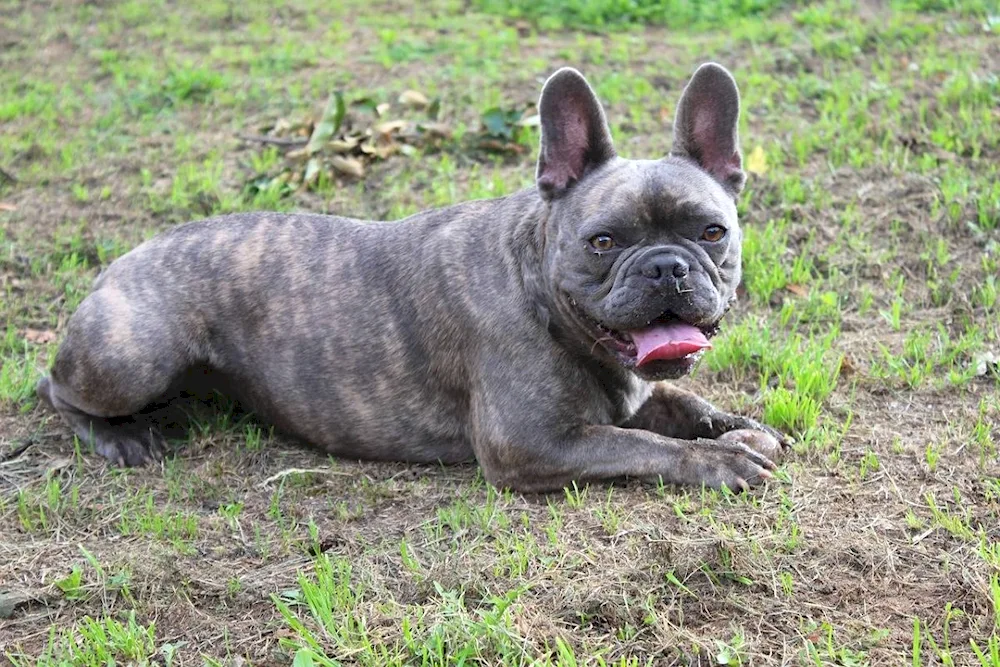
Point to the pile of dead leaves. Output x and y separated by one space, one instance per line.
349 136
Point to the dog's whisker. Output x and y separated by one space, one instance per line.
602 339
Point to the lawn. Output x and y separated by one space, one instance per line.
869 328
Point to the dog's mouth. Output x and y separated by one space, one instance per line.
668 338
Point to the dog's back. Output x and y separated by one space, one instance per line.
318 322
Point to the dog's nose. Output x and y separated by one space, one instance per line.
663 266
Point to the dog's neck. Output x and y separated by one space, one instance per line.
529 243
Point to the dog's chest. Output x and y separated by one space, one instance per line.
636 392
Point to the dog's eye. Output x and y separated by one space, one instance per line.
713 233
602 242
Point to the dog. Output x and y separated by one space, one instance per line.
531 333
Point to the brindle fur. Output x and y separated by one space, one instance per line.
453 335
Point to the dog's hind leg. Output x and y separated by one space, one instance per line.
118 357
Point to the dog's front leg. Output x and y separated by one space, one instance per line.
677 413
552 461
535 441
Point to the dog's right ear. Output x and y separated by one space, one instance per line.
705 129
575 135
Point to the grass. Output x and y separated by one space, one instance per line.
869 329
599 13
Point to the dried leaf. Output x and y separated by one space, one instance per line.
39 336
345 145
333 116
7 206
797 290
413 99
499 146
442 130
380 109
390 126
283 126
847 366
757 161
380 146
298 154
348 165
534 120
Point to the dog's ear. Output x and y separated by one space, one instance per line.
705 128
575 136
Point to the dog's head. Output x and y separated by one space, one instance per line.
643 255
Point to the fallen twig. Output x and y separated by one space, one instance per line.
303 471
285 142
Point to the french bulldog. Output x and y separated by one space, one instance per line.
529 333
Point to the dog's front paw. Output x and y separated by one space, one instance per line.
719 424
728 462
763 442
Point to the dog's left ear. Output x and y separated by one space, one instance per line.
705 128
575 135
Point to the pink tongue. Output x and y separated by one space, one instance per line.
668 341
